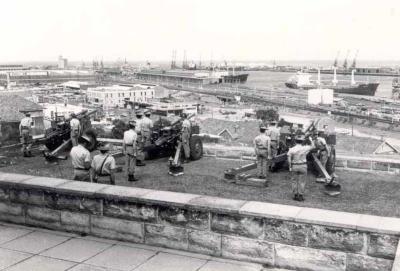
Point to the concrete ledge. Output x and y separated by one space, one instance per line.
273 234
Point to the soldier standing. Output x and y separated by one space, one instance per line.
147 127
262 144
140 138
81 160
130 150
323 149
298 166
103 165
185 137
25 131
274 133
75 129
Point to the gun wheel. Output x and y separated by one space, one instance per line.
196 148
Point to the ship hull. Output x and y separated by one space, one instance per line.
239 78
368 89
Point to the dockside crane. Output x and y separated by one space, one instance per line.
345 65
335 63
353 65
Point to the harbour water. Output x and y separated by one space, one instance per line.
268 79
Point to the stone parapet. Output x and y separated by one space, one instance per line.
281 236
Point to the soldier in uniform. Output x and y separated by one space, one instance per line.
322 147
25 131
75 129
81 160
185 136
147 127
130 150
298 166
262 145
103 165
274 134
140 138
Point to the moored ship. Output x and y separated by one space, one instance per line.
303 81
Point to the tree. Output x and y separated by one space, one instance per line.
267 114
119 128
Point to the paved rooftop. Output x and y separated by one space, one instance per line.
25 248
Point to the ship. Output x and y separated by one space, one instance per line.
235 78
303 81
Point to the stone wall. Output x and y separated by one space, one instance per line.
374 164
275 235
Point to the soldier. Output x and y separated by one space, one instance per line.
103 165
262 144
185 137
130 150
298 166
274 134
75 129
81 160
322 147
147 127
25 131
140 139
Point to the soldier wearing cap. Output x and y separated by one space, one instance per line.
103 165
275 134
322 147
297 160
140 138
147 127
262 145
75 129
25 131
129 146
81 160
185 136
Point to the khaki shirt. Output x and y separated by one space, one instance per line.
138 127
274 133
298 154
26 122
79 155
320 143
262 144
98 161
146 124
186 125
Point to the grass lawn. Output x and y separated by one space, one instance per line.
368 193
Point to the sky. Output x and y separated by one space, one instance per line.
232 30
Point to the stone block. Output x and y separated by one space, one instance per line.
217 204
382 246
75 222
379 224
43 217
270 210
4 194
119 229
166 236
244 249
81 188
341 163
328 218
122 192
183 217
346 240
381 166
168 197
299 258
78 203
356 262
44 182
204 242
130 211
359 164
11 212
237 225
286 232
27 196
12 178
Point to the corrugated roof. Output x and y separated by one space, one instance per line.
12 107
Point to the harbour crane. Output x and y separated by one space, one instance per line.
345 60
353 65
335 63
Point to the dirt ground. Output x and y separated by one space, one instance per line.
367 193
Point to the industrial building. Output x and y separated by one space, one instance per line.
62 63
117 95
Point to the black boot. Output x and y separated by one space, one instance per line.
140 163
131 178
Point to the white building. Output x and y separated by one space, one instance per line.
62 62
117 96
